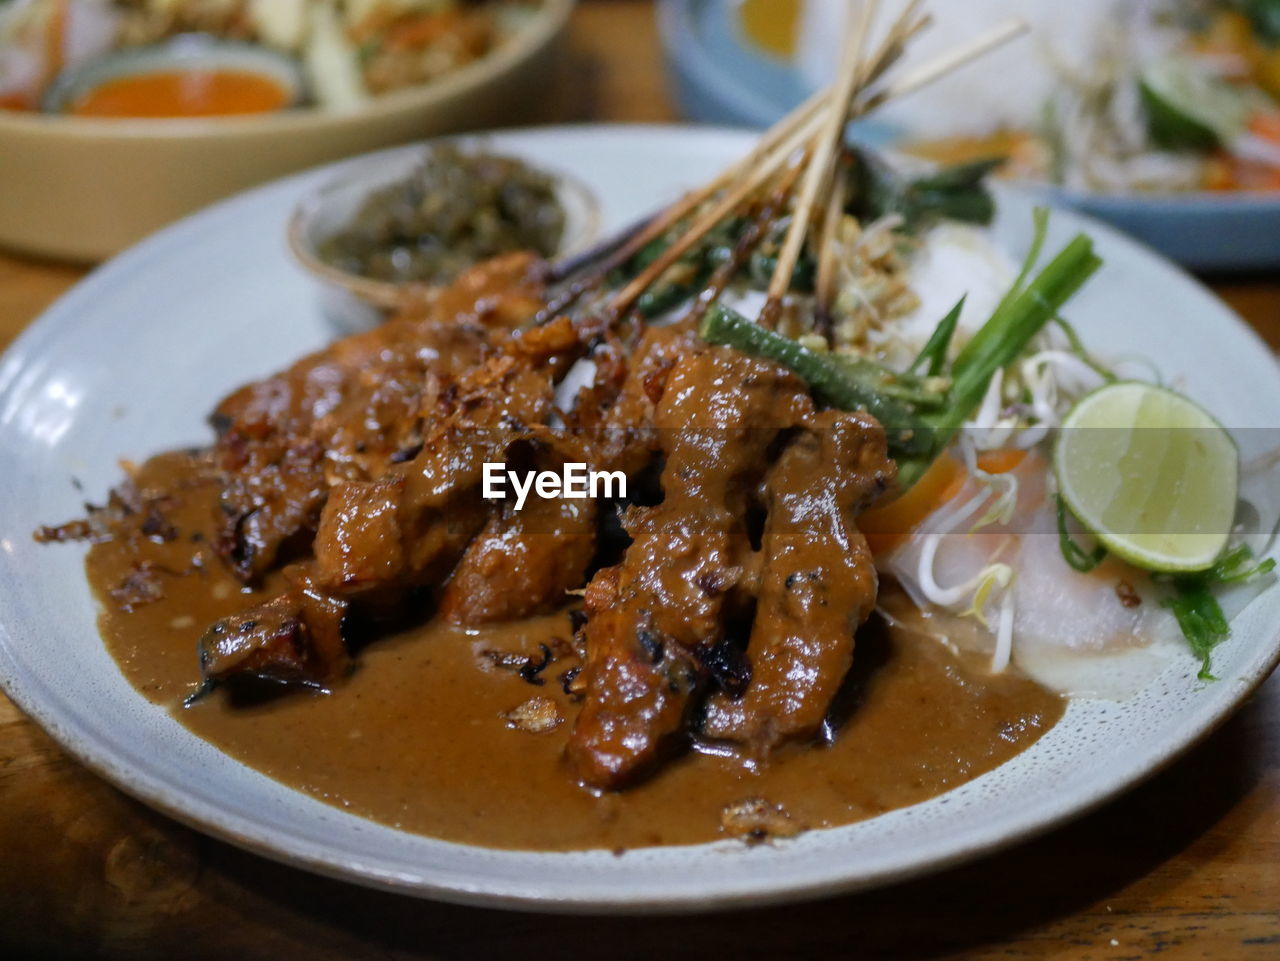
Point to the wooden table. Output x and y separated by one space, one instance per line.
1187 866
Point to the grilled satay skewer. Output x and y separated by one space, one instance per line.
651 615
378 541
285 440
817 586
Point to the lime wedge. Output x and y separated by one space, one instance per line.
1189 108
1151 474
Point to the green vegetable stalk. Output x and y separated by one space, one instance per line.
933 356
1198 612
1076 556
952 193
920 417
840 384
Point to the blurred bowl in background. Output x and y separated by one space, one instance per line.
84 188
715 75
1203 231
351 302
720 75
726 69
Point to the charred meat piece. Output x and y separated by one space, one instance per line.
350 411
650 616
344 413
538 715
142 586
410 527
523 562
134 509
292 639
618 411
817 586
379 541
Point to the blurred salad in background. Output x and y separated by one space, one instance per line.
1177 95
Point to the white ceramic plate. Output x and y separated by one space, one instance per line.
129 362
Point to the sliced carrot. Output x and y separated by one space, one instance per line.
1250 175
1001 461
961 149
1266 125
888 526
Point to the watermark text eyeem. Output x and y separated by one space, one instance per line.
574 480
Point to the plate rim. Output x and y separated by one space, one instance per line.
153 791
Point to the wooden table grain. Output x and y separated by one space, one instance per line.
1185 867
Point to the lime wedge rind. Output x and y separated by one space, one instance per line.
1151 474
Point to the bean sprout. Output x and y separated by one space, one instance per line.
993 576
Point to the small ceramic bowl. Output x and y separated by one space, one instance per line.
352 302
186 52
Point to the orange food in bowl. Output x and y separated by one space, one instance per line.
182 93
772 25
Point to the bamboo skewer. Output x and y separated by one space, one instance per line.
746 244
622 248
561 270
800 118
747 186
786 126
949 62
809 119
852 73
917 79
825 285
816 127
782 130
854 77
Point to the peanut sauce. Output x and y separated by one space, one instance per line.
425 734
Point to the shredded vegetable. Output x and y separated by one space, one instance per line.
1198 612
920 427
1076 556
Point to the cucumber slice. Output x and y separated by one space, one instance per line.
1189 108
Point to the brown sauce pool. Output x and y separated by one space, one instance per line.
417 738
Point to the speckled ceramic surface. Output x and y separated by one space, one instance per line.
131 359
